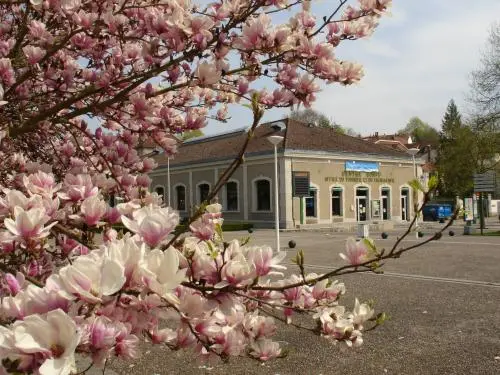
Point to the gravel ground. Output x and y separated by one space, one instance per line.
443 300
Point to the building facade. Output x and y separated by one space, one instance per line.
350 180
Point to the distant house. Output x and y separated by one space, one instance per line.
404 142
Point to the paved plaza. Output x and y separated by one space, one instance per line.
443 300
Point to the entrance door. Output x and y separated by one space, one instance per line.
361 204
386 208
404 207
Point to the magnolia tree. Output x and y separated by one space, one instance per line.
71 280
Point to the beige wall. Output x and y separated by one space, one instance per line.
326 174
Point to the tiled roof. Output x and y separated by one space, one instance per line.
298 136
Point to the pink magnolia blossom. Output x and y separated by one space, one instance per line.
91 278
15 283
93 209
78 187
41 183
263 260
238 271
29 224
53 337
203 228
265 349
160 272
152 224
357 252
33 54
207 73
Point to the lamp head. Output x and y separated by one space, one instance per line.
413 151
275 139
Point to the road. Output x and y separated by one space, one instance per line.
443 300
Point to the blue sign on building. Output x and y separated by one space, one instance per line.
361 166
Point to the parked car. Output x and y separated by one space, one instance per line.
437 211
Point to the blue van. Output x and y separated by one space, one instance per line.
437 211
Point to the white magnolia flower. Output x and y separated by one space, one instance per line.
91 277
128 254
160 272
54 336
361 313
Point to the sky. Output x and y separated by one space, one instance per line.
416 61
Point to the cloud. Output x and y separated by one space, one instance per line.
414 65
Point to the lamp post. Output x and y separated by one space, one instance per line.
414 151
168 180
276 140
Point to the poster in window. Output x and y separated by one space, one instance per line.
376 208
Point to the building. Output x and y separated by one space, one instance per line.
350 180
401 142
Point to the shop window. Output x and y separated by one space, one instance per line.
263 195
231 196
337 209
203 190
180 197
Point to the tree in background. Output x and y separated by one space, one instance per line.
456 163
192 134
485 82
311 116
421 132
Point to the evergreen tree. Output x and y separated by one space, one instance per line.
452 120
456 163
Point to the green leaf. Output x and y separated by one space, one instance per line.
433 182
416 185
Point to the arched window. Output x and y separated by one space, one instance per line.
160 190
203 190
262 196
337 209
231 196
180 197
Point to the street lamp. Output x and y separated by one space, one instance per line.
168 180
414 151
276 140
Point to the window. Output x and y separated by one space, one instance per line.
311 203
161 192
180 197
337 201
263 195
203 190
231 198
